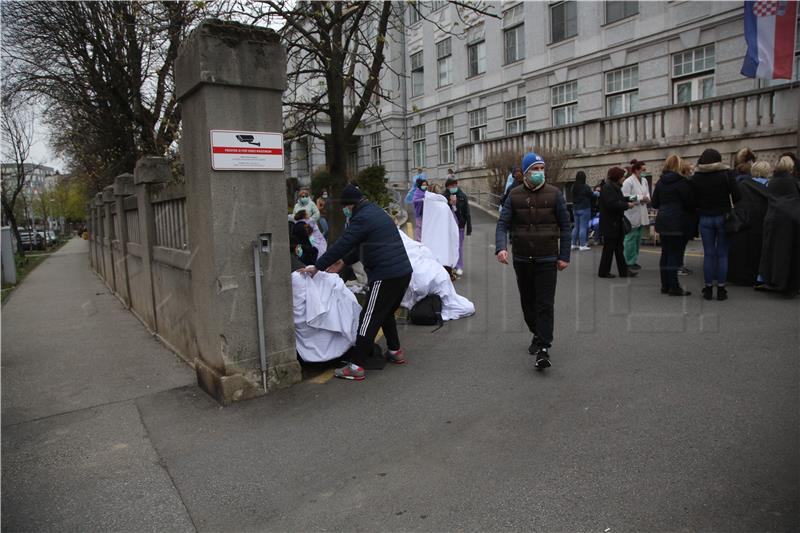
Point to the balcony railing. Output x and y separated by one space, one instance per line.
760 111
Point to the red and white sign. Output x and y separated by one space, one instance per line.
246 150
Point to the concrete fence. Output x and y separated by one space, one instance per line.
143 254
180 255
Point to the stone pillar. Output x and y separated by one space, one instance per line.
149 172
97 248
231 77
107 199
123 186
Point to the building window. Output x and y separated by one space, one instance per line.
417 75
693 74
564 100
375 148
563 20
444 62
619 10
418 138
622 91
477 125
515 116
447 146
414 15
514 44
476 54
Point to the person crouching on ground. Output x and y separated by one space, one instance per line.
460 205
372 238
613 205
536 215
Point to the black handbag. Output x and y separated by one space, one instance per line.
736 220
626 225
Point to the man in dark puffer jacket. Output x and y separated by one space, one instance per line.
372 238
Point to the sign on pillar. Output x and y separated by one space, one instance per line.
246 150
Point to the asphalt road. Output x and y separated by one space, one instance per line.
659 414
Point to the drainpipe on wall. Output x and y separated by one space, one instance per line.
404 89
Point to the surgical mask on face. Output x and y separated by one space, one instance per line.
453 190
298 250
423 187
304 200
313 241
324 195
347 212
537 177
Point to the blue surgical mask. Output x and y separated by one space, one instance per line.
313 241
453 190
298 250
347 212
423 187
304 200
537 177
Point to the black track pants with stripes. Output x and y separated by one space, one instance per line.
383 299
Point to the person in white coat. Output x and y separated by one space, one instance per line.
636 186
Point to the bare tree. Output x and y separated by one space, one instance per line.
104 70
17 136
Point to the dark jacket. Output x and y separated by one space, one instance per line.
372 238
744 253
674 198
780 254
612 209
462 210
581 197
307 253
714 186
539 225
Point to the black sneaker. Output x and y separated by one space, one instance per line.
542 359
707 292
722 293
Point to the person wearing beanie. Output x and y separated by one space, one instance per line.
715 191
459 204
613 205
582 211
636 186
372 238
536 215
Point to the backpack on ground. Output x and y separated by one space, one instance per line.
427 312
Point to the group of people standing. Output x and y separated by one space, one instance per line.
747 218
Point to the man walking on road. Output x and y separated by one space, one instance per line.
372 238
536 215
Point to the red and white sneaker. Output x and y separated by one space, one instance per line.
398 357
350 371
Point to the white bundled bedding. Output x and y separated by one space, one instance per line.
430 277
325 316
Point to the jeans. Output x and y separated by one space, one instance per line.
537 291
581 229
672 247
631 245
715 249
460 263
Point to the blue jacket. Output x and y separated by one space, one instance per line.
372 238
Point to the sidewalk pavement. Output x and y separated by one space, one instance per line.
75 452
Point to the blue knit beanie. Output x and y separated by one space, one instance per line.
529 160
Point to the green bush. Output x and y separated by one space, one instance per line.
372 182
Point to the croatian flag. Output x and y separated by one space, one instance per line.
769 29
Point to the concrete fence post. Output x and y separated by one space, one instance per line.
90 231
149 172
123 186
231 77
107 199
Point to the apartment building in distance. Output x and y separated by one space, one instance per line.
604 81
